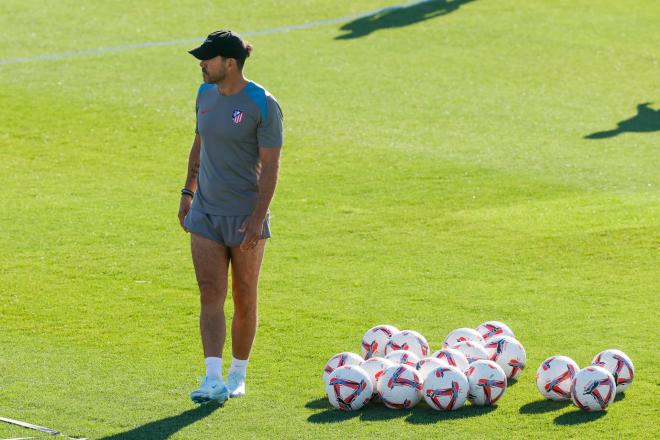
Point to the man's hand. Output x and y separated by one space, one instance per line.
184 207
252 227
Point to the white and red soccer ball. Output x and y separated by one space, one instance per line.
408 340
463 334
452 357
424 366
445 388
340 360
472 351
593 388
487 382
404 357
508 353
555 376
400 387
376 366
375 339
349 388
491 329
619 365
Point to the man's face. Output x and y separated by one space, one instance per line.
214 70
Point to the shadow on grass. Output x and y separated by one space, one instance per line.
425 415
399 16
578 417
646 120
320 403
372 412
619 396
333 415
544 406
376 411
165 428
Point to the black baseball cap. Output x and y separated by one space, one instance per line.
224 43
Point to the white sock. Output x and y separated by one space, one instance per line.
238 366
214 367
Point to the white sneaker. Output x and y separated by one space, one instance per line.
210 389
236 384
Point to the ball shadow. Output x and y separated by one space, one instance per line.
426 415
619 396
332 415
320 403
543 406
377 412
578 417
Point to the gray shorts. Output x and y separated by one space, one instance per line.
221 228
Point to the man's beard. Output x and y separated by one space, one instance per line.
215 79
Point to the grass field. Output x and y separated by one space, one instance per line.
444 164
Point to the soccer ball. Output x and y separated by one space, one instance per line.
555 376
490 329
339 360
400 387
463 334
375 339
404 357
349 388
427 364
376 366
487 382
471 350
508 353
593 388
445 388
408 340
619 364
453 358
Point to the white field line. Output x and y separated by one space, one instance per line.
190 41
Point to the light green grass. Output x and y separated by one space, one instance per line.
434 176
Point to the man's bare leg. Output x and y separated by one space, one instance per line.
211 261
245 267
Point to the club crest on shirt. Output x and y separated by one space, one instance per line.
237 116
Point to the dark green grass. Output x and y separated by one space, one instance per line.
435 175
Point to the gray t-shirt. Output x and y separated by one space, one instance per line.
232 128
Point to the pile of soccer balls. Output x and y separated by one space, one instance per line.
396 368
591 388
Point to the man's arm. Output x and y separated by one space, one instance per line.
193 164
270 166
191 180
253 225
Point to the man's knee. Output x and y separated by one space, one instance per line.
244 288
245 298
212 292
245 310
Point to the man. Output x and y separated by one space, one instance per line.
232 173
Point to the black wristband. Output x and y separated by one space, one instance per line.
187 192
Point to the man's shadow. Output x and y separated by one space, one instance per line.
646 120
398 16
164 428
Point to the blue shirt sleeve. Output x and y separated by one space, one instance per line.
270 131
